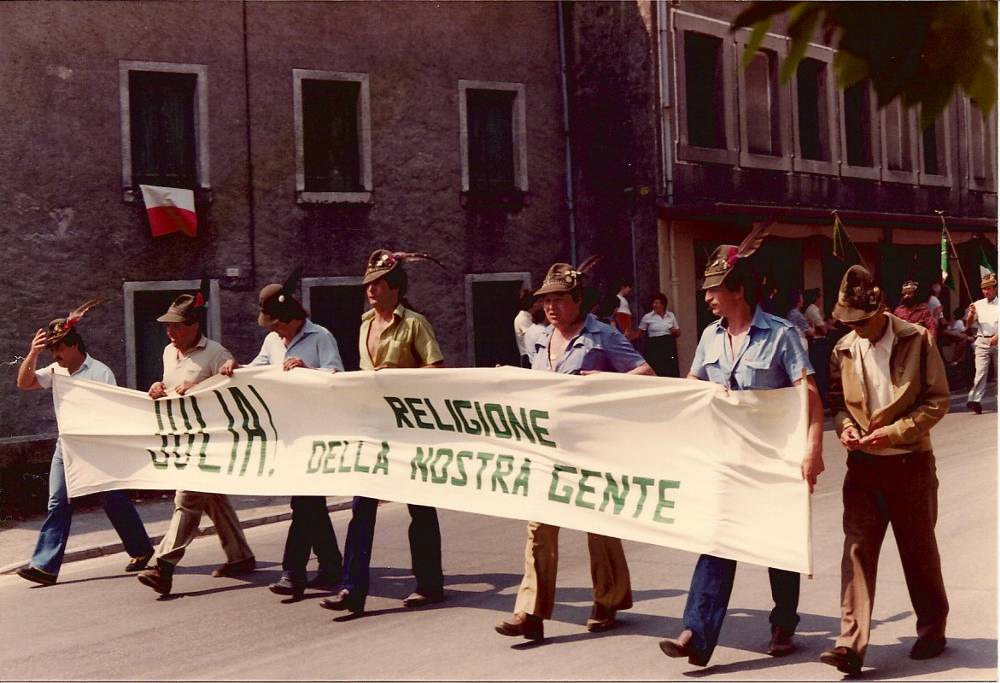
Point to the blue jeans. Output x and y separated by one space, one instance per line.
52 538
311 532
708 599
425 547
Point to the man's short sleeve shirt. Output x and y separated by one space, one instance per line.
200 363
408 342
597 346
772 355
91 369
313 344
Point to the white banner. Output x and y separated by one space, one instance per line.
679 463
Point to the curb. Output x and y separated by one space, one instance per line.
114 548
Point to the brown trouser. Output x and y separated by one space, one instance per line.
608 569
900 490
188 508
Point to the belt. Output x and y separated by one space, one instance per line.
876 460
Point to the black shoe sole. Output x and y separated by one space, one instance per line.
138 565
518 633
146 581
40 580
295 592
840 665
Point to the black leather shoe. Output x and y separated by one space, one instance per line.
344 601
844 659
601 619
975 407
137 564
523 624
681 646
781 642
419 599
160 578
239 568
37 575
285 586
927 648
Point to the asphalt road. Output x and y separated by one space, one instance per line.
99 623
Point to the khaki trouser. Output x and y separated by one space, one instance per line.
188 508
608 569
984 354
900 490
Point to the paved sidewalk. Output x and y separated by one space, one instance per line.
92 534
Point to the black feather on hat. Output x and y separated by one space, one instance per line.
278 302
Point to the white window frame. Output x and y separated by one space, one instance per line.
214 319
890 174
945 126
519 123
364 138
990 153
200 127
824 54
780 162
341 281
470 327
873 172
685 151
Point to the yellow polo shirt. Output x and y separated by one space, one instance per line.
408 342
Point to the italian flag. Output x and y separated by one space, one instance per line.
170 209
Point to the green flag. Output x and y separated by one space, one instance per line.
843 247
946 277
985 267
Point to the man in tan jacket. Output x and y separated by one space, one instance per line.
887 389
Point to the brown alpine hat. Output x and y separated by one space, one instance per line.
58 328
720 265
278 302
383 261
562 277
183 309
859 297
989 280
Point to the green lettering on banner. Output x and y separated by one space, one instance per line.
382 459
319 448
494 412
611 492
342 467
399 410
461 455
203 453
437 419
663 502
163 438
232 423
358 467
540 432
252 428
484 458
420 461
522 478
270 419
417 409
505 463
328 462
177 437
567 491
643 482
471 426
443 477
519 427
583 488
187 428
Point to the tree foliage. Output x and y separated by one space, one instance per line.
918 51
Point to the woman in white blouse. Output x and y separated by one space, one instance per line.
660 326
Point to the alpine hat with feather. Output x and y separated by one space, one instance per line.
728 258
562 277
58 328
859 297
278 302
383 261
187 308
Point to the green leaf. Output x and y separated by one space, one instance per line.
756 38
800 31
850 70
983 88
758 12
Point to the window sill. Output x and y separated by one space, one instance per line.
892 175
203 196
772 162
708 155
303 197
934 179
503 200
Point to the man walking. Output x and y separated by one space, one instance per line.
745 349
69 353
983 312
297 342
392 336
887 389
188 359
575 343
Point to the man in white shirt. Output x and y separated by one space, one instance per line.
983 312
522 323
188 359
71 358
623 314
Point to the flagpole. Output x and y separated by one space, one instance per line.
857 252
954 250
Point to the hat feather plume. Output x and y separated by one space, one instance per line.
203 291
293 281
752 242
415 256
77 313
588 264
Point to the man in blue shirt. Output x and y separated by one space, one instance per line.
745 349
71 358
574 343
297 342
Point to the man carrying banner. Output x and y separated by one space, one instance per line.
745 349
887 389
188 359
392 336
575 343
984 312
297 342
69 353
